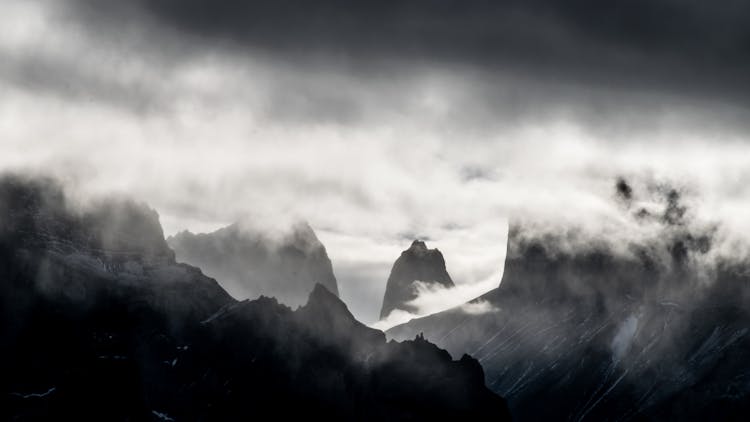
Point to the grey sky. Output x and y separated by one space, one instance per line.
378 120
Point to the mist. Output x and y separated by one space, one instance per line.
243 176
370 147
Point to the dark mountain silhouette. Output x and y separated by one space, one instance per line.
250 263
98 322
415 264
653 329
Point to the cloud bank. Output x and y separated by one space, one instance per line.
382 122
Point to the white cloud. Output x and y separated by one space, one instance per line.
432 298
208 139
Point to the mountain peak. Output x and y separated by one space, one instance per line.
418 263
322 297
324 305
325 313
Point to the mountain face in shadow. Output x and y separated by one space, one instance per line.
98 322
415 264
654 329
250 263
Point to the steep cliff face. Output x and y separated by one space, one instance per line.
99 322
599 330
415 264
250 263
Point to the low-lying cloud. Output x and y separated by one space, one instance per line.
432 298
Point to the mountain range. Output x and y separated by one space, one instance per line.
100 322
99 319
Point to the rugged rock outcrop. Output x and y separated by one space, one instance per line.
415 264
250 263
94 329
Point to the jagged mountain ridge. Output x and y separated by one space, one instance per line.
250 263
598 334
418 263
90 333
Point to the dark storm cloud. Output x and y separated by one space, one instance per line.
68 80
694 48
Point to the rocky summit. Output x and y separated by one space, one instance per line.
416 264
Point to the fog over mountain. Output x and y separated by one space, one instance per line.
603 148
425 122
98 320
251 262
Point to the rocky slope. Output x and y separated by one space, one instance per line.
98 322
656 329
250 263
415 264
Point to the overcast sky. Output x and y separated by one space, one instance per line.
381 121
